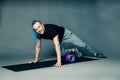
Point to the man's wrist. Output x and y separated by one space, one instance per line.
36 58
59 61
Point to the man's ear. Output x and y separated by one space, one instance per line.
42 24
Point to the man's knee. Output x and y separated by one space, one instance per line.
83 44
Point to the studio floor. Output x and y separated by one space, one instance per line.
103 69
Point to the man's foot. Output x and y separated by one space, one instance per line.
99 55
77 53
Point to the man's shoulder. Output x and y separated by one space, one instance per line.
50 25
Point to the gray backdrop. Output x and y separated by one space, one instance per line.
95 21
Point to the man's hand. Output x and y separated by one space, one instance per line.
58 65
33 61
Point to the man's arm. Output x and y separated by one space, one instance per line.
58 50
38 46
37 51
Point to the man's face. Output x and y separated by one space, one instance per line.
39 28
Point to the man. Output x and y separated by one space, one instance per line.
59 35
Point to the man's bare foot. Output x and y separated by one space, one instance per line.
99 55
77 53
73 50
95 53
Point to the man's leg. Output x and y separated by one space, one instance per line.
72 50
78 44
65 51
71 38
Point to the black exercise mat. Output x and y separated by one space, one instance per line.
50 63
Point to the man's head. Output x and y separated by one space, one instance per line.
38 26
